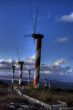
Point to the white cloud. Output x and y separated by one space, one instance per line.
67 18
28 63
9 60
59 67
54 68
6 63
30 59
63 40
59 62
1 60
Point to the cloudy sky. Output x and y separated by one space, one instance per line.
55 22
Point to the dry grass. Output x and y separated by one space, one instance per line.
49 96
43 94
7 95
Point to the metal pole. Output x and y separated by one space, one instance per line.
45 82
29 75
49 85
38 38
20 63
13 67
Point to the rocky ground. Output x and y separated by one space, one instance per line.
9 100
49 96
20 106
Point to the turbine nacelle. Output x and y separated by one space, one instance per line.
36 36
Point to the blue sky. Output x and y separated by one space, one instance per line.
55 22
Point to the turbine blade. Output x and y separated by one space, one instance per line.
35 24
17 51
27 35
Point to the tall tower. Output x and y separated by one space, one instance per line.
20 63
29 75
38 38
13 68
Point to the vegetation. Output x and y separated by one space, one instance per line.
44 94
47 95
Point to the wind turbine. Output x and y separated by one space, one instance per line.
38 38
13 68
20 63
29 72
